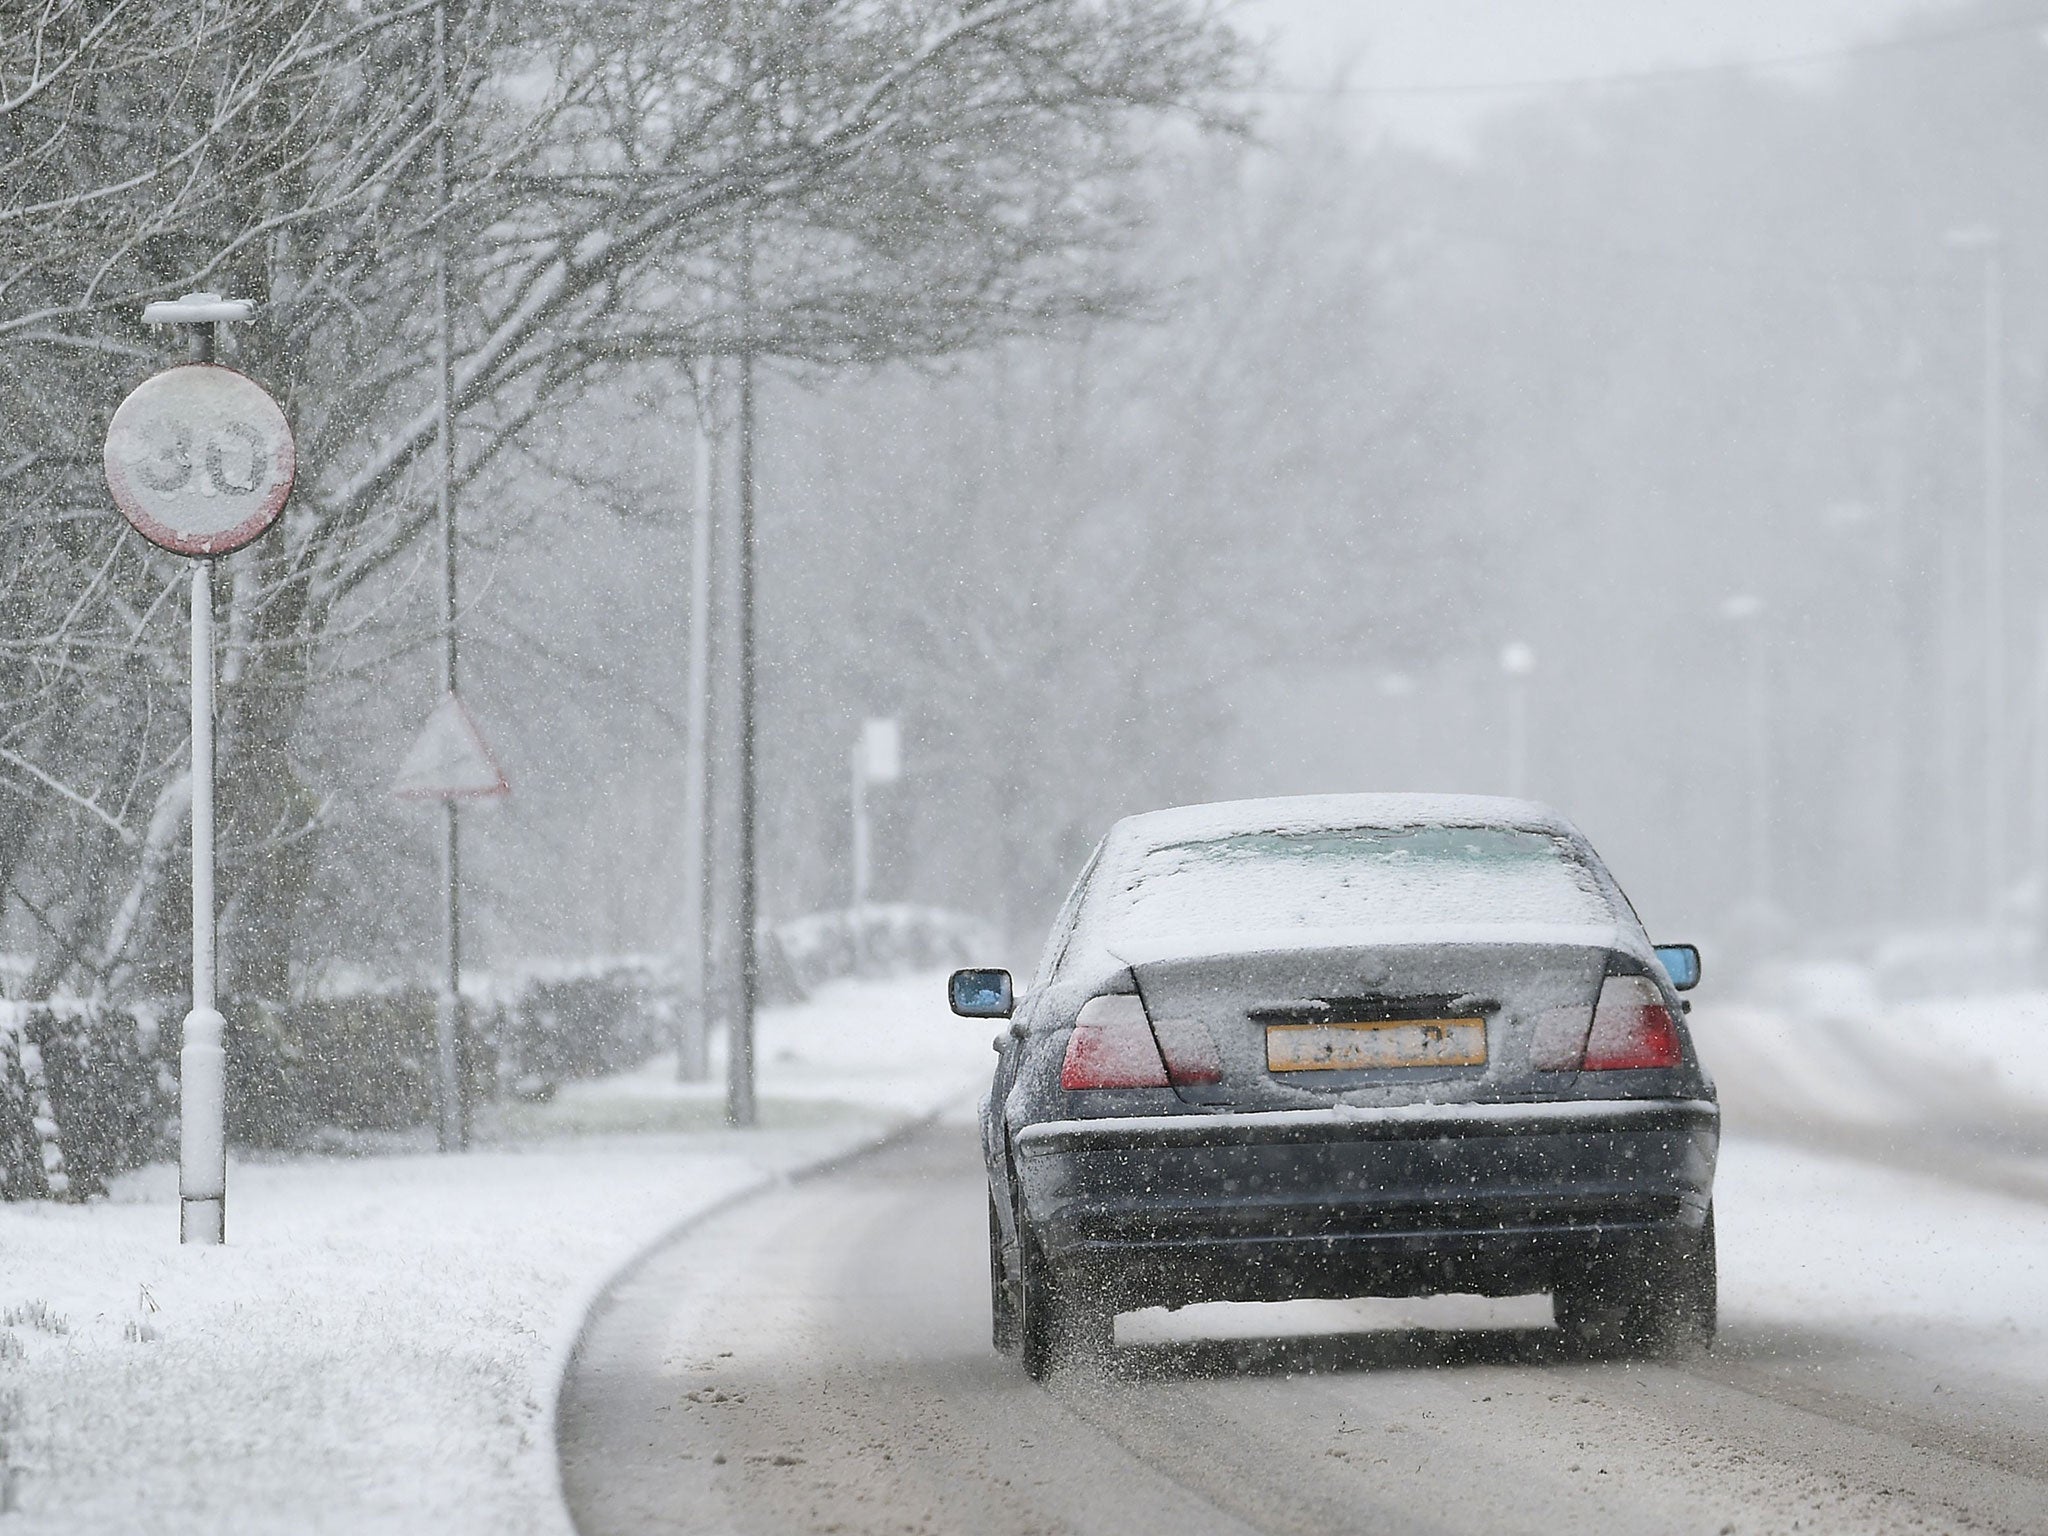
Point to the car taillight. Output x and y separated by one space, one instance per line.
1112 1047
1631 1027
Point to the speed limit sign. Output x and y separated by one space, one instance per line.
200 460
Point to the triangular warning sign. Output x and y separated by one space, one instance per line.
449 761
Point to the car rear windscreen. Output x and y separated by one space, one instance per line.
1357 877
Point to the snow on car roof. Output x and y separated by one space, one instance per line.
1316 813
1162 893
1149 950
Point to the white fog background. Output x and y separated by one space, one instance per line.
1675 381
1585 398
1573 366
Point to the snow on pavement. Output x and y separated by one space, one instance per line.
377 1347
1826 1049
1901 1262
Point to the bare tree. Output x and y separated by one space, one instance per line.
1067 560
908 178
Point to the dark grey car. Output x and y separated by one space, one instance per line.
1347 1046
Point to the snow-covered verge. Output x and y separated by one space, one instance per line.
1824 1245
1839 1053
377 1347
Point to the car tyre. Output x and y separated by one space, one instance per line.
1002 1298
1652 1304
1056 1327
1693 1290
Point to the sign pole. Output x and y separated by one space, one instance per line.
693 1028
201 461
242 464
202 1056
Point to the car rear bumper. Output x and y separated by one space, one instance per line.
1493 1198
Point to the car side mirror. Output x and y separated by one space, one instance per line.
981 994
1682 964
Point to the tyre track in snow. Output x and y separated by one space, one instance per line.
818 1360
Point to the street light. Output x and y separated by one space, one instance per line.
1517 662
876 758
1987 241
1746 610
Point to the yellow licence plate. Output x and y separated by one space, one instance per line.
1360 1047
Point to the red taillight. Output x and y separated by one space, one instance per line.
1112 1047
1631 1027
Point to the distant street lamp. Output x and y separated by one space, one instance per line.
1517 663
1746 610
1988 242
877 758
741 1108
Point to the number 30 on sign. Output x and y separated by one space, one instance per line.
200 460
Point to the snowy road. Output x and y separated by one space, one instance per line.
818 1360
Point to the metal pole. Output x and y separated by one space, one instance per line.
740 1108
452 1117
693 1027
1747 610
2038 790
1760 864
858 801
1994 580
858 792
1518 736
1517 662
202 1055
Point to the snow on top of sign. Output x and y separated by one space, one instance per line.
448 760
196 309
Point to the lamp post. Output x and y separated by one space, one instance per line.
876 758
1746 610
741 1108
451 1107
1987 242
1517 662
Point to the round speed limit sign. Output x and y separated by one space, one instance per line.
200 460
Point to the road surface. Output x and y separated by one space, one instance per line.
817 1359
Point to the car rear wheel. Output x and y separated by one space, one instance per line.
1056 1326
1664 1302
1695 1285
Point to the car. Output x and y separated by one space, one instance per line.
1347 1045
